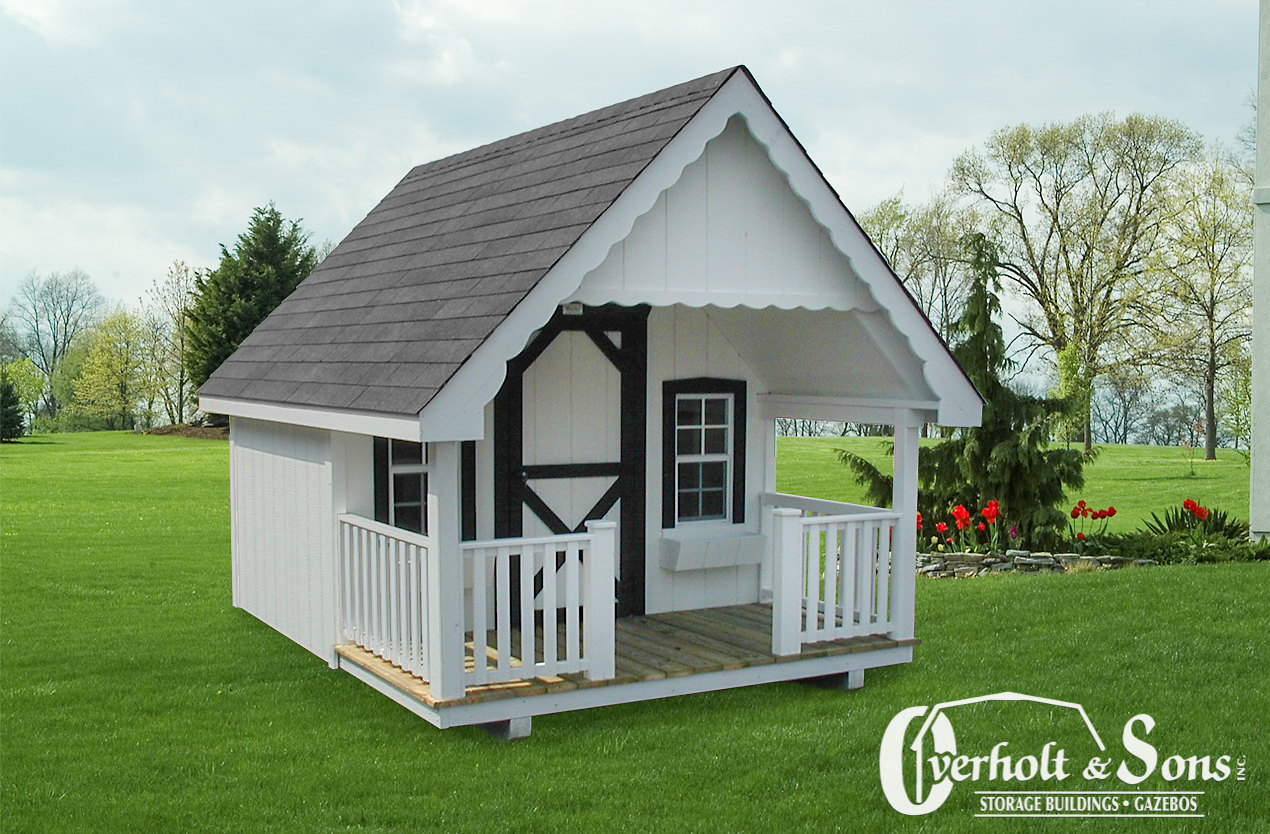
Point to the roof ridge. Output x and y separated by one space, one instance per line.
559 128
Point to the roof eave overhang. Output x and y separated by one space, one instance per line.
396 426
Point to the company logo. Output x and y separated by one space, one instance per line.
935 767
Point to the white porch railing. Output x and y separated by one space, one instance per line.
831 570
383 589
564 617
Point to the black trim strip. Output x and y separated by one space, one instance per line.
571 470
548 516
381 479
467 489
606 346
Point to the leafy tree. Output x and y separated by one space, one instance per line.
12 424
114 376
1008 457
1077 209
1237 396
1202 315
51 312
269 260
28 383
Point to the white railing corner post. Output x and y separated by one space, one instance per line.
904 539
445 576
599 629
787 561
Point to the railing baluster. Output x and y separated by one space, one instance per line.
480 637
833 533
572 597
503 600
549 639
528 570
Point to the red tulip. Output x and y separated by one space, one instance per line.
1111 511
941 527
982 527
1075 512
1080 537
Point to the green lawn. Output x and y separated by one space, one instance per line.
1136 480
133 697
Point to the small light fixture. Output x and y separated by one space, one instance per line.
572 308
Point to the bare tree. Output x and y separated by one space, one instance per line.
50 313
1077 208
168 304
1123 399
922 244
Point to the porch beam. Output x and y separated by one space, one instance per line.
445 573
907 424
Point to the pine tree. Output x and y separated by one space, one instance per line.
12 424
1008 457
269 260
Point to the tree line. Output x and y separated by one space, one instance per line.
69 360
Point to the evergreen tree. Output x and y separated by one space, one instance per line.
1009 456
269 260
12 424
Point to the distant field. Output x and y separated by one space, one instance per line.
1136 480
135 698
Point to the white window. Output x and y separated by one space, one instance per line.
407 485
703 457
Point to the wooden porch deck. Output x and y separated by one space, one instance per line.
648 648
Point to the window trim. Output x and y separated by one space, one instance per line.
671 390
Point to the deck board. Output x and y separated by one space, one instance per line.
651 647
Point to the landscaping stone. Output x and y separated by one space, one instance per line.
1003 566
1090 561
1145 563
1014 554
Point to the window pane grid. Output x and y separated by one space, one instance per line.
703 427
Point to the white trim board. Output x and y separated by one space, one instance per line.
402 427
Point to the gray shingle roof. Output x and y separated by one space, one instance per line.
419 284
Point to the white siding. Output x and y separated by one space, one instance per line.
730 231
683 343
283 530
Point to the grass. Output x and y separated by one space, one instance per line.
134 697
1136 480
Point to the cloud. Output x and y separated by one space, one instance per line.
71 22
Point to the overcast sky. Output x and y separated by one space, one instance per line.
134 132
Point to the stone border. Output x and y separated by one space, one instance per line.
962 565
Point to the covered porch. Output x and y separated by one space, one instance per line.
837 599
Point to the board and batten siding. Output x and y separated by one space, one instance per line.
684 344
730 230
283 530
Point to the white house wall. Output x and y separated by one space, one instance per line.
683 344
283 529
729 232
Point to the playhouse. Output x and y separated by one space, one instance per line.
510 449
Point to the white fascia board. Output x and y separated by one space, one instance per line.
398 427
842 409
457 411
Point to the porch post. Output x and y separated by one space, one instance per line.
787 563
445 574
601 605
904 538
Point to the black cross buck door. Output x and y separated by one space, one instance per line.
569 434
